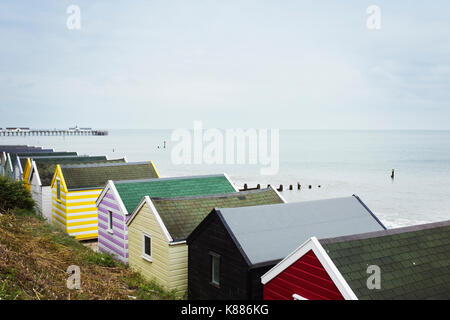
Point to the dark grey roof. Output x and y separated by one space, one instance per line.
13 145
17 147
384 233
22 149
269 233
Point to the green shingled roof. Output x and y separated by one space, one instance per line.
58 159
182 215
132 192
68 159
23 156
414 262
97 175
46 166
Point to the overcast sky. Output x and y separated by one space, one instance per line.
247 63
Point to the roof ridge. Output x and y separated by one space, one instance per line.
168 178
63 157
384 233
293 204
89 165
217 195
370 211
18 150
77 162
43 151
21 153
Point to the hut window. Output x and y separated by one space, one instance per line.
110 221
215 268
58 189
147 246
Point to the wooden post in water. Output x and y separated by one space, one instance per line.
393 174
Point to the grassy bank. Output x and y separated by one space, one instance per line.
34 257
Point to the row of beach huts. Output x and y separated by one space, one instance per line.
201 236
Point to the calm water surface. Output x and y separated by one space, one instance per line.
341 162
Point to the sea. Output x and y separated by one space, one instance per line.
327 164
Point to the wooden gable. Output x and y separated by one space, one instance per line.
305 278
306 273
58 175
27 170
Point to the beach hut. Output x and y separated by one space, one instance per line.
2 162
7 164
5 149
19 148
15 160
75 189
8 169
41 173
27 162
232 248
403 263
19 161
118 200
159 227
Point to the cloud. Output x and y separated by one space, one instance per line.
247 64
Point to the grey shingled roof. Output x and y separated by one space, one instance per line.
269 233
414 261
182 215
87 176
46 165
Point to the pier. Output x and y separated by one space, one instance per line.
76 131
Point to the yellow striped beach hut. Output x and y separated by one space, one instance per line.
75 189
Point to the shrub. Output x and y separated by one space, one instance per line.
14 195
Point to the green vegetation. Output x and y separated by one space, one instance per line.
101 259
13 195
148 290
34 257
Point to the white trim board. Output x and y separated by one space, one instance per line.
279 194
231 182
103 193
111 186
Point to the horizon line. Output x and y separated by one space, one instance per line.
246 128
